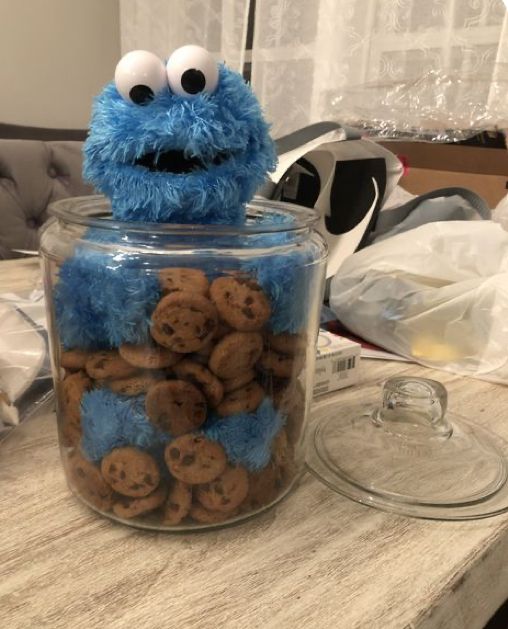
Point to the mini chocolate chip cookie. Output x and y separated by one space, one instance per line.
175 406
73 388
184 322
194 459
134 385
178 503
205 516
226 492
243 400
239 381
74 359
127 508
88 481
108 364
235 353
286 343
148 356
130 471
203 378
281 365
241 303
189 280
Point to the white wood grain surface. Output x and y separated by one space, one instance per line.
317 560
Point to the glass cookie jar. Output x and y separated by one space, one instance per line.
183 359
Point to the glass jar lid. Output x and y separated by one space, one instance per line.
402 451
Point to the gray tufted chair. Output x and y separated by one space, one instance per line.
33 174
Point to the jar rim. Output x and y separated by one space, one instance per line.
92 211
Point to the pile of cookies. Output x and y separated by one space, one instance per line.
211 355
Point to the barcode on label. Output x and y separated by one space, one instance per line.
344 364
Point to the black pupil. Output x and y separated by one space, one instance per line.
141 94
193 81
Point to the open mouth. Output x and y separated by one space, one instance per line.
176 163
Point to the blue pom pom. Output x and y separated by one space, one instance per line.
110 420
104 299
247 437
223 133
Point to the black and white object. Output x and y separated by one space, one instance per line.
346 178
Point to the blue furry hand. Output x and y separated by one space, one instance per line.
102 301
110 420
247 437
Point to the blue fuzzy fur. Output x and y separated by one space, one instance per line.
247 437
104 299
110 420
228 120
285 279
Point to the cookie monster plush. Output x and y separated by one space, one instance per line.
178 142
181 142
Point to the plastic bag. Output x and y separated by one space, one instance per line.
434 106
25 373
500 214
437 294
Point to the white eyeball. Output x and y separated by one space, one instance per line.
192 70
139 75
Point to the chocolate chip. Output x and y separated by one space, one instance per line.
248 312
173 506
249 301
122 475
147 479
112 468
167 329
219 489
188 459
136 486
174 453
225 500
80 472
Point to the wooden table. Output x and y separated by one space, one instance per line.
317 560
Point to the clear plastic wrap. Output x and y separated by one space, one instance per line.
437 294
434 107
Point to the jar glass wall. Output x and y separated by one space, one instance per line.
183 359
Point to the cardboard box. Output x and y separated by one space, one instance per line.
337 363
433 166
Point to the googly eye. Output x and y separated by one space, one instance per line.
192 70
140 75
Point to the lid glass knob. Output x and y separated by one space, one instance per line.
414 409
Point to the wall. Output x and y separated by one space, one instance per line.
55 56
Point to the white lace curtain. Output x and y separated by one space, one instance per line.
426 68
